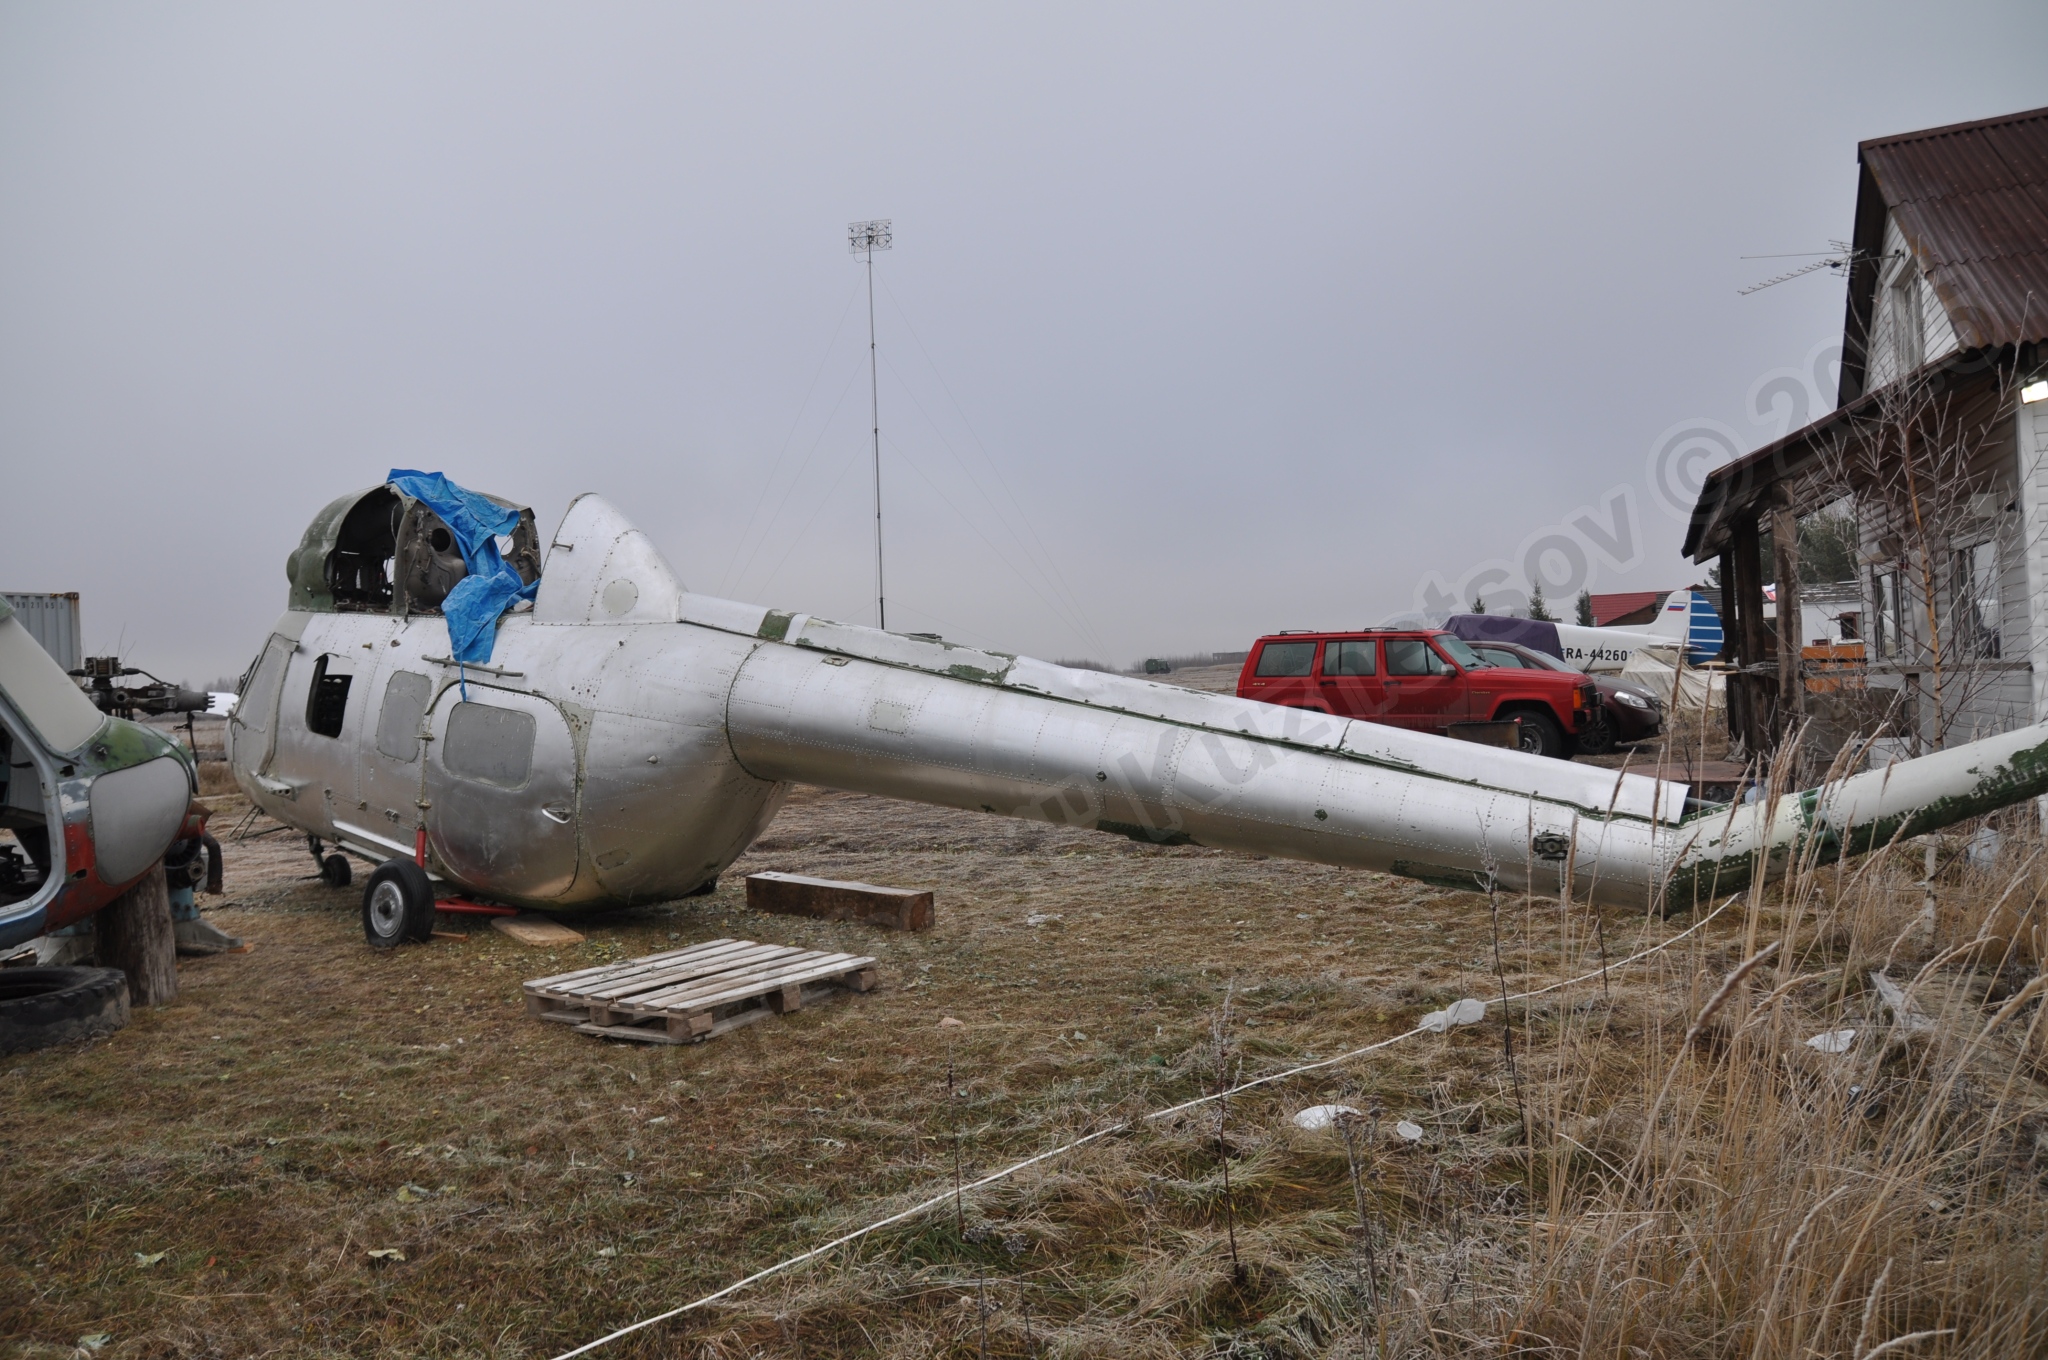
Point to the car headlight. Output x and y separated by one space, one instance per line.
1632 700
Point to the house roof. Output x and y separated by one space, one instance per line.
1607 608
1971 199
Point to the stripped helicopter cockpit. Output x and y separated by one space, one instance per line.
381 551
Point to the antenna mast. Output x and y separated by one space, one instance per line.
864 239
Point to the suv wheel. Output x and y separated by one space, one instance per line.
1541 736
1598 738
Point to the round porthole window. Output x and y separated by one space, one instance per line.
619 597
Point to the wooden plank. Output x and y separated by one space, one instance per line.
635 974
537 931
756 957
645 1036
827 899
688 995
720 991
647 959
648 1035
762 977
763 968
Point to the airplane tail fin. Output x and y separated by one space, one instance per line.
1689 616
1674 616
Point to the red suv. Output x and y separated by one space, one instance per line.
1422 679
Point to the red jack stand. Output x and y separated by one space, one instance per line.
458 906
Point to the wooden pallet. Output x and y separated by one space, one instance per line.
685 996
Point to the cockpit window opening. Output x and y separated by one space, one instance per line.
358 570
326 700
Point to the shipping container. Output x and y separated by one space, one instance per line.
53 621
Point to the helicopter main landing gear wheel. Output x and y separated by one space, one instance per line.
398 905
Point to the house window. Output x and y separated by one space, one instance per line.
1902 312
1974 578
1885 618
1907 336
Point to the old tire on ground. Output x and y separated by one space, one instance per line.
335 872
40 1007
1541 736
398 904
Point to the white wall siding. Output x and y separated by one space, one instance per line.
1936 335
2031 437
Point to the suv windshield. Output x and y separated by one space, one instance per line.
1455 648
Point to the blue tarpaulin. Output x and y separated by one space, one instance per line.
491 587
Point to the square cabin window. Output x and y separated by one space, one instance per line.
1413 656
1286 659
398 721
1356 657
490 745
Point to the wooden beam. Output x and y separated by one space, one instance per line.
1791 705
1744 584
826 899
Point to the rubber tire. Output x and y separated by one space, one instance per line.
41 1007
1541 736
398 905
335 871
1598 739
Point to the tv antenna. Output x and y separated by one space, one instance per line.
864 239
1836 259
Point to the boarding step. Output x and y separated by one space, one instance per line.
685 996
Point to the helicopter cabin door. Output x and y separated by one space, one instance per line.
500 792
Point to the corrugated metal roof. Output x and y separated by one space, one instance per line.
1608 608
1972 201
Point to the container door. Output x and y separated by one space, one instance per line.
1424 692
501 793
1350 679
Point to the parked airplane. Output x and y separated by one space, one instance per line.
581 730
1686 621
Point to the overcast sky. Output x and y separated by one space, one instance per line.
1200 321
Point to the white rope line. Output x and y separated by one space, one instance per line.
1005 1173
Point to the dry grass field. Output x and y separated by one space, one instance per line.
323 1150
